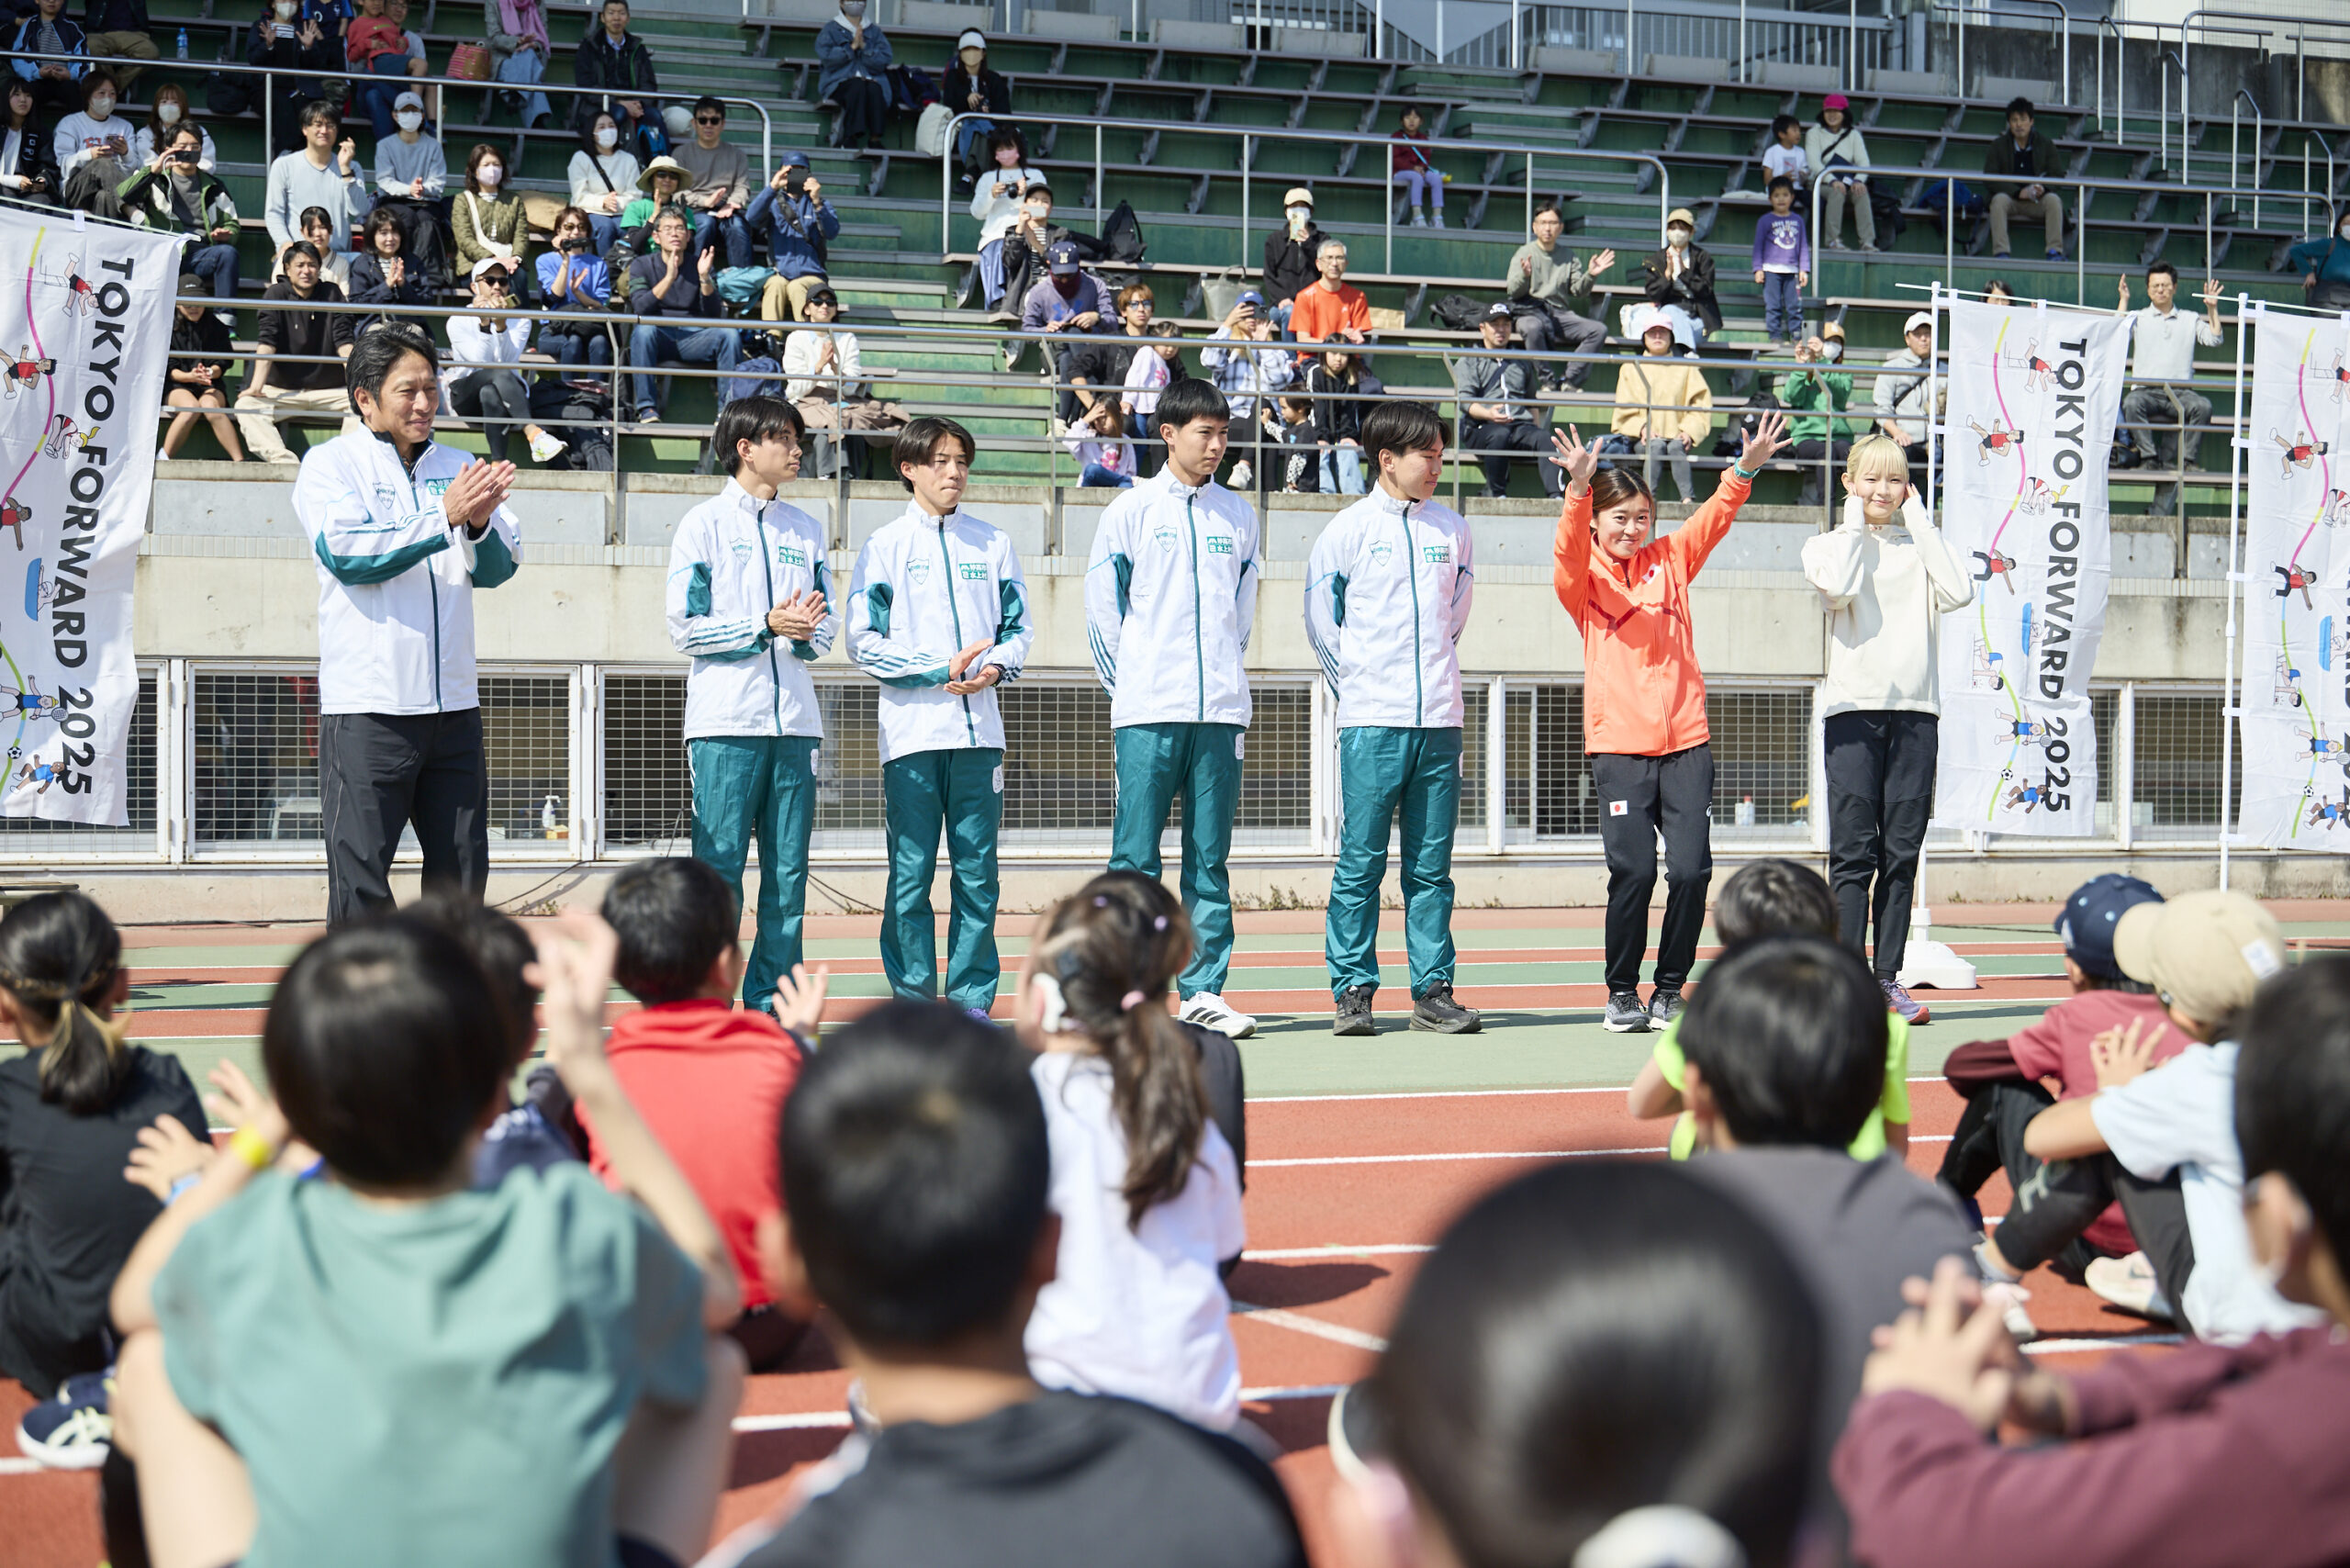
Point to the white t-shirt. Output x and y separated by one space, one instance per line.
2182 1116
1137 1312
1792 162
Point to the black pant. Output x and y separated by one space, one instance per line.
1638 798
1817 457
499 399
1880 792
1518 435
420 239
380 772
1555 328
864 106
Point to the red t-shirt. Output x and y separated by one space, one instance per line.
710 1082
2057 1046
1315 313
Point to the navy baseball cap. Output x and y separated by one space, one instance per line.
1249 297
2089 916
1062 259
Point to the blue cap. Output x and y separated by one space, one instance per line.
793 160
2089 918
1251 297
1062 258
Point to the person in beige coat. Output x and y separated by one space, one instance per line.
1663 408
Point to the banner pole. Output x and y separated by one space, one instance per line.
2245 312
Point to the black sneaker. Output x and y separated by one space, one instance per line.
1440 1015
1665 1006
1354 1012
1624 1014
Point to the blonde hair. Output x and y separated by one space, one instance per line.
1876 452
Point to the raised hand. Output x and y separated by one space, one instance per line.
1602 262
1769 433
167 1152
800 999
1947 1354
574 969
1569 453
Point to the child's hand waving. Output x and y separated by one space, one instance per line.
575 971
1569 453
800 999
1769 433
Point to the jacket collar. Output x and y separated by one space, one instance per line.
742 499
1390 505
923 519
391 447
1166 480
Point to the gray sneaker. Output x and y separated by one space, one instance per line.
1898 997
1354 1012
1665 1006
1439 1014
1624 1014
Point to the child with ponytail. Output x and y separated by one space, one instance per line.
70 1111
1145 1187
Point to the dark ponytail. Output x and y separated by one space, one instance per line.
59 956
1114 947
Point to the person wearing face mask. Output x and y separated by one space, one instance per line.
854 56
169 112
285 38
1819 394
970 88
173 194
1290 252
28 174
603 177
46 30
999 202
1679 280
411 185
1034 236
519 53
94 149
488 216
2325 265
1644 703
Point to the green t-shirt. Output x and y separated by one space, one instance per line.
1893 1107
438 1382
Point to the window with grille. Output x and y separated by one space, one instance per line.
648 790
1060 782
1276 783
1546 783
526 736
848 767
253 771
1472 760
1762 744
2176 765
23 835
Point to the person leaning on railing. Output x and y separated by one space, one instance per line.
2325 265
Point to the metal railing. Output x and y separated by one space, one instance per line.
2061 24
1249 135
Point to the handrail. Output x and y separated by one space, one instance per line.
2186 115
2235 157
2301 24
2061 20
1249 135
2120 81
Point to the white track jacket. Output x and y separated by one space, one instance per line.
396 582
734 558
925 589
1171 598
1387 591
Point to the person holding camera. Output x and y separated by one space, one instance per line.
797 223
572 277
1249 363
999 203
484 355
173 194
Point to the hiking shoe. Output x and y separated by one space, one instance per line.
1357 1441
544 446
1898 997
1624 1014
1440 1015
1354 1012
2129 1283
1210 1011
1664 1005
2055 252
73 1430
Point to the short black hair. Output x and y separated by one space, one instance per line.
379 351
674 917
707 101
1552 207
1187 399
1401 425
1790 1034
386 1050
1005 136
1773 898
301 248
920 441
1596 1337
317 215
1784 123
2022 106
915 1171
2163 267
2293 1088
319 109
502 948
1779 182
754 420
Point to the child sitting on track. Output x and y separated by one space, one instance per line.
2206 1457
1644 704
917 1167
542 1380
1144 1186
1777 898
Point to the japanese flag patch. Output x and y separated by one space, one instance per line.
1618 808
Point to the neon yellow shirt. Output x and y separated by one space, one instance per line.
1893 1107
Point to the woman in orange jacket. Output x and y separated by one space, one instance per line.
1644 704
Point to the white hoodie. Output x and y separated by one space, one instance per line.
1171 598
1884 589
734 558
1387 593
924 589
396 600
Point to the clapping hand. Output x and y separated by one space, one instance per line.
1946 1353
1769 435
1569 453
796 619
479 490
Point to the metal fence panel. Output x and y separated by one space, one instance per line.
2176 761
35 835
648 788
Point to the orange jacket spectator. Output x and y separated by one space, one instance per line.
1315 312
1643 693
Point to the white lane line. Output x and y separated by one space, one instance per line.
1483 1094
2067 1347
836 1420
1381 1250
795 1423
1439 1158
1299 1323
24 1467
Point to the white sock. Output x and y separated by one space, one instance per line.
1992 1266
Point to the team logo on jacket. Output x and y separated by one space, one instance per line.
1219 543
741 548
434 486
790 555
1437 554
1164 536
1382 551
387 498
918 570
972 571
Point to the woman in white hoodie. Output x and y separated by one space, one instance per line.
1885 577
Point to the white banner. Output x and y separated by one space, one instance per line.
2033 396
86 330
2296 792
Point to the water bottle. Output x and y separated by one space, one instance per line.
183 43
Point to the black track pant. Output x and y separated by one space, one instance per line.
380 772
1638 798
1880 792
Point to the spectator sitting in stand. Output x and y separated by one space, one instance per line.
1551 298
853 59
572 277
676 291
488 220
1835 153
2028 159
1339 382
2163 344
1066 301
417 63
1329 307
94 149
2324 263
1783 262
1093 366
1148 374
199 380
791 210
718 185
1816 398
1247 362
174 194
1899 398
1421 180
287 37
381 275
166 112
822 374
118 29
411 188
604 177
997 203
1679 281
1663 408
519 52
484 355
335 267
1785 156
1500 408
970 87
375 48
47 29
616 59
323 337
1290 423
662 188
1097 438
324 174
1026 247
1291 254
29 176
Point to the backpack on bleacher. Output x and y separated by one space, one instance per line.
758 376
1885 207
1939 194
1122 235
1732 441
1458 312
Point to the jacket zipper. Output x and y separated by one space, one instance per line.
955 610
767 575
1412 575
1199 650
431 580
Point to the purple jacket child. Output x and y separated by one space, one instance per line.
1781 243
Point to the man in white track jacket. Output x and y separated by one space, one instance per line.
750 599
1387 593
403 532
938 614
1171 598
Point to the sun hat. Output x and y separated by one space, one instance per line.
1297 195
665 164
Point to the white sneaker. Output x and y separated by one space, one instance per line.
2129 1283
544 446
1419 219
1210 1011
1242 475
1436 219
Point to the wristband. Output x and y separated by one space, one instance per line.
252 1148
1738 470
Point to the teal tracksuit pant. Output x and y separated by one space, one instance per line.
1200 763
763 787
958 791
1410 779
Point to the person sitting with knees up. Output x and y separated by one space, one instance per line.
919 1166
791 210
1097 440
485 354
1603 1363
546 1377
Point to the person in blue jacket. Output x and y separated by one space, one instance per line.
2325 265
799 223
854 54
